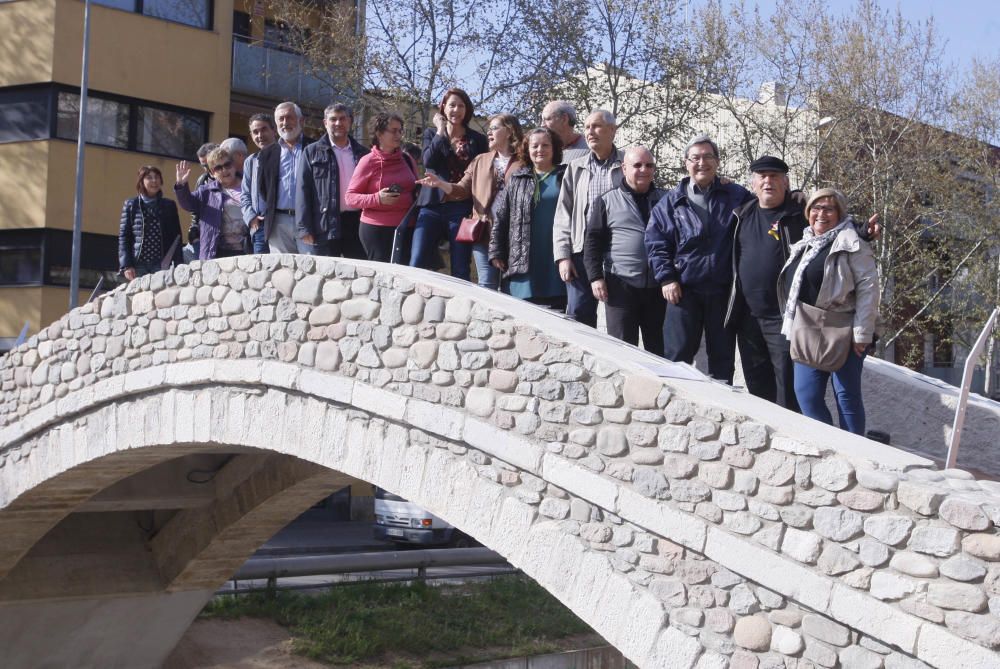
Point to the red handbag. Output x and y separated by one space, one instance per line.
472 230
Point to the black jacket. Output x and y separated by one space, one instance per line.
437 150
317 189
510 238
132 229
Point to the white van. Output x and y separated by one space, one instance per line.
404 522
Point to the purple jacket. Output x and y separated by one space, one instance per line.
205 203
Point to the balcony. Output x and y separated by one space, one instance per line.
271 72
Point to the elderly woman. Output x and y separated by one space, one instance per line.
149 228
216 203
382 187
830 277
448 148
521 239
484 179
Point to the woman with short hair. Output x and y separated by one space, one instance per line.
382 187
521 239
216 203
830 275
448 149
149 228
483 181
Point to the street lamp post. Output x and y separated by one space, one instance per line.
823 122
81 139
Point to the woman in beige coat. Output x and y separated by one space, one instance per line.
832 269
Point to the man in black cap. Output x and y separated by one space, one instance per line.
764 229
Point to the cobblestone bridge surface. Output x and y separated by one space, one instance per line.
690 525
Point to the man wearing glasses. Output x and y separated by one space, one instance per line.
689 241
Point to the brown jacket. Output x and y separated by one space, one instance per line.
479 184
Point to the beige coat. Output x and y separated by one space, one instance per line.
573 208
850 282
479 184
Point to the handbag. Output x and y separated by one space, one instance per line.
471 230
821 339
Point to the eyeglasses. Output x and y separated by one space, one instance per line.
703 158
648 166
394 131
829 209
222 166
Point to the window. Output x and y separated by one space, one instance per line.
134 125
42 257
107 120
197 13
24 114
169 133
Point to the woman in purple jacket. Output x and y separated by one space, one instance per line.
216 203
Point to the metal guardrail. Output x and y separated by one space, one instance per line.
323 565
963 397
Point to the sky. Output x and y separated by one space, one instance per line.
971 27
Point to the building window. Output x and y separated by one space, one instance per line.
196 13
24 114
43 257
134 125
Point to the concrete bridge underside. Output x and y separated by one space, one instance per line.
150 442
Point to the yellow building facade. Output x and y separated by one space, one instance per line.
165 76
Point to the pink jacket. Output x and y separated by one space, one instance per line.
375 171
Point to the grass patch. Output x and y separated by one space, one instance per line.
415 625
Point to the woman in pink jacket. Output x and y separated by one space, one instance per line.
382 187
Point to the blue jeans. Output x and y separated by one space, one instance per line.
581 305
258 241
810 389
433 222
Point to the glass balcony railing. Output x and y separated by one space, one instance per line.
260 69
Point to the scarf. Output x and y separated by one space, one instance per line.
809 248
539 178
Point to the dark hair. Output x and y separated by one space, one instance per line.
338 108
557 146
381 123
266 118
206 149
464 97
145 171
413 151
510 122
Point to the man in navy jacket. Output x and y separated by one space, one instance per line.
323 221
689 242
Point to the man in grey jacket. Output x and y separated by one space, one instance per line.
614 253
587 178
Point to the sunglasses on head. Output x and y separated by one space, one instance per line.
222 166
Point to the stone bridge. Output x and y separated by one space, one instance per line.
152 440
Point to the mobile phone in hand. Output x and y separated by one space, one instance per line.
394 188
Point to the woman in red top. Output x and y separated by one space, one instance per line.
382 187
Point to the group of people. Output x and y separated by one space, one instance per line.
558 217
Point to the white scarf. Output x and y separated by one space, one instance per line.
810 246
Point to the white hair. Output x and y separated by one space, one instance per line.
234 145
287 105
608 117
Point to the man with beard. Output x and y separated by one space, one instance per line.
277 179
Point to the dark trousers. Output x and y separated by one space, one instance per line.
377 241
581 305
329 247
700 312
630 309
810 390
767 365
350 236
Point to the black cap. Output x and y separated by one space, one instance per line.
769 164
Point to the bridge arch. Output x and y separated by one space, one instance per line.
688 524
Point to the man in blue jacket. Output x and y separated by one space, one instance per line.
323 221
689 242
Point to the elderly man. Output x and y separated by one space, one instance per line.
277 179
263 133
587 178
614 253
324 222
689 242
559 116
